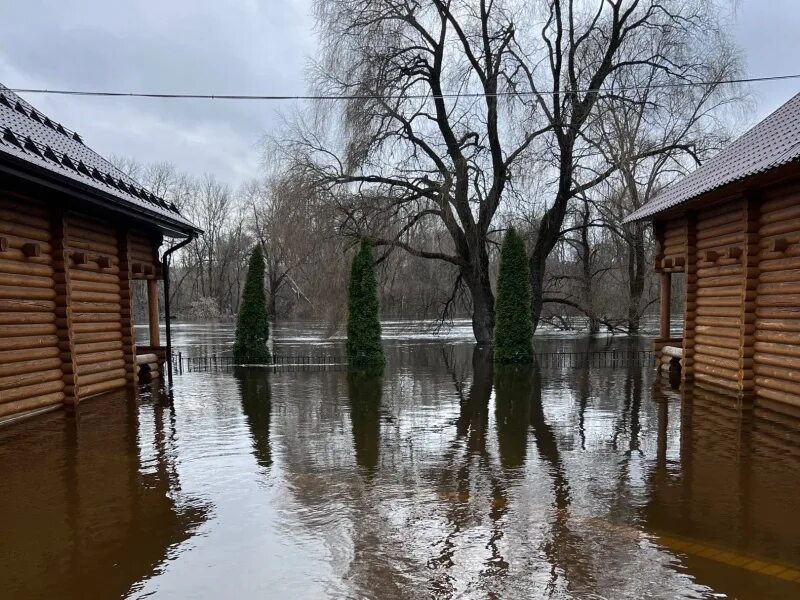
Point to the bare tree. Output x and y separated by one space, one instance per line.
412 156
588 47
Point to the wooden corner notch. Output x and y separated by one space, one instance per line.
32 250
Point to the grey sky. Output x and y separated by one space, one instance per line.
247 47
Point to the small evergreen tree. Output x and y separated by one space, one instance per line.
364 347
252 325
513 329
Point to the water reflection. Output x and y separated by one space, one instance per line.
364 391
445 477
256 395
91 501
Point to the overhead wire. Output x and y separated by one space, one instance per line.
283 97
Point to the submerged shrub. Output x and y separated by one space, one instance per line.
252 325
364 347
513 327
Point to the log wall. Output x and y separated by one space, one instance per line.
66 331
717 286
96 301
777 337
30 361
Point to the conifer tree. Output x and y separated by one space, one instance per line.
364 347
252 325
513 327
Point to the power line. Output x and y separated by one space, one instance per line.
677 84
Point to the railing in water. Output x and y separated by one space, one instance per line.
328 362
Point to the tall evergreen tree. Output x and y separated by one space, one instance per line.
513 332
252 325
364 347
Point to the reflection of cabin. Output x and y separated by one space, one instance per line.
74 233
733 228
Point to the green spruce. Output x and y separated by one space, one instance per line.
364 347
252 325
513 328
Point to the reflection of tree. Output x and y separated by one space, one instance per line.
89 516
564 548
254 388
512 412
364 391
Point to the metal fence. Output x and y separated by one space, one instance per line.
327 362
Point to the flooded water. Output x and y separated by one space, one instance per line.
444 477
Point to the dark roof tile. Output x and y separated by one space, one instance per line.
772 143
49 145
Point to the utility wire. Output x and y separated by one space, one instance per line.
678 84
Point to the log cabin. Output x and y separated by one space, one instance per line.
75 233
732 229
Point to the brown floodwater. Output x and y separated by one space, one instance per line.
444 477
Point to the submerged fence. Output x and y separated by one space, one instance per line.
328 362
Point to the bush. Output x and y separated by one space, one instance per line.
364 347
252 325
513 329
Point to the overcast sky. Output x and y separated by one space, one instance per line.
242 47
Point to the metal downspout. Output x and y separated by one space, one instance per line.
165 266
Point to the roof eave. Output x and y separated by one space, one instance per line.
36 174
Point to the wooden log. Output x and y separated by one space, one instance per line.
779 264
719 242
716 382
776 360
781 227
144 359
18 380
718 311
28 343
36 329
26 293
99 388
778 337
789 387
18 267
12 215
731 282
95 317
94 286
780 312
93 276
717 301
776 348
779 325
106 336
781 288
25 232
731 365
33 281
732 353
87 379
29 366
95 357
92 347
97 327
96 367
97 307
83 296
782 300
31 391
785 276
15 356
728 322
26 318
672 351
778 396
21 406
730 339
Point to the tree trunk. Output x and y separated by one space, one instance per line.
477 279
636 277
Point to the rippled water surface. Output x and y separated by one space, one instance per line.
445 477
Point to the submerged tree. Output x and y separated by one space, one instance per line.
252 325
514 328
364 347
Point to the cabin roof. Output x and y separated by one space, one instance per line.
771 143
40 145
